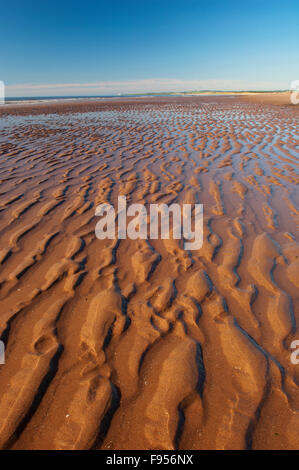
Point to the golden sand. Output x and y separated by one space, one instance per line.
123 344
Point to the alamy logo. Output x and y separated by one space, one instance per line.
2 353
295 92
187 222
2 92
295 354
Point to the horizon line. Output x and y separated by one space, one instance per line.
141 86
278 90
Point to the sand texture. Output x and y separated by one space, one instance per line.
140 344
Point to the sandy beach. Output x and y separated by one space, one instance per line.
140 344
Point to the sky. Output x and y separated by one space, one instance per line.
68 48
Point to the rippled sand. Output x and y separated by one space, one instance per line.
122 344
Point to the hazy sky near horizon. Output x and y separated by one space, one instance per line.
117 46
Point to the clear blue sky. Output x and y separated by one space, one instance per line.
98 47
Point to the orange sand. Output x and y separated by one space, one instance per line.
279 98
140 344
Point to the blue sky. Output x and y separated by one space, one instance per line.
106 47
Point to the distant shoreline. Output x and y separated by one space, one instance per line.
63 105
34 99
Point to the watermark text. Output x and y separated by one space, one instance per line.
175 221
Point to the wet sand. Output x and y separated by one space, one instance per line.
279 98
123 344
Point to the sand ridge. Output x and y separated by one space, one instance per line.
140 344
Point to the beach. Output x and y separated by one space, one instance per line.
142 344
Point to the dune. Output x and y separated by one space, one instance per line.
140 344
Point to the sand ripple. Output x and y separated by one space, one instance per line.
122 344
